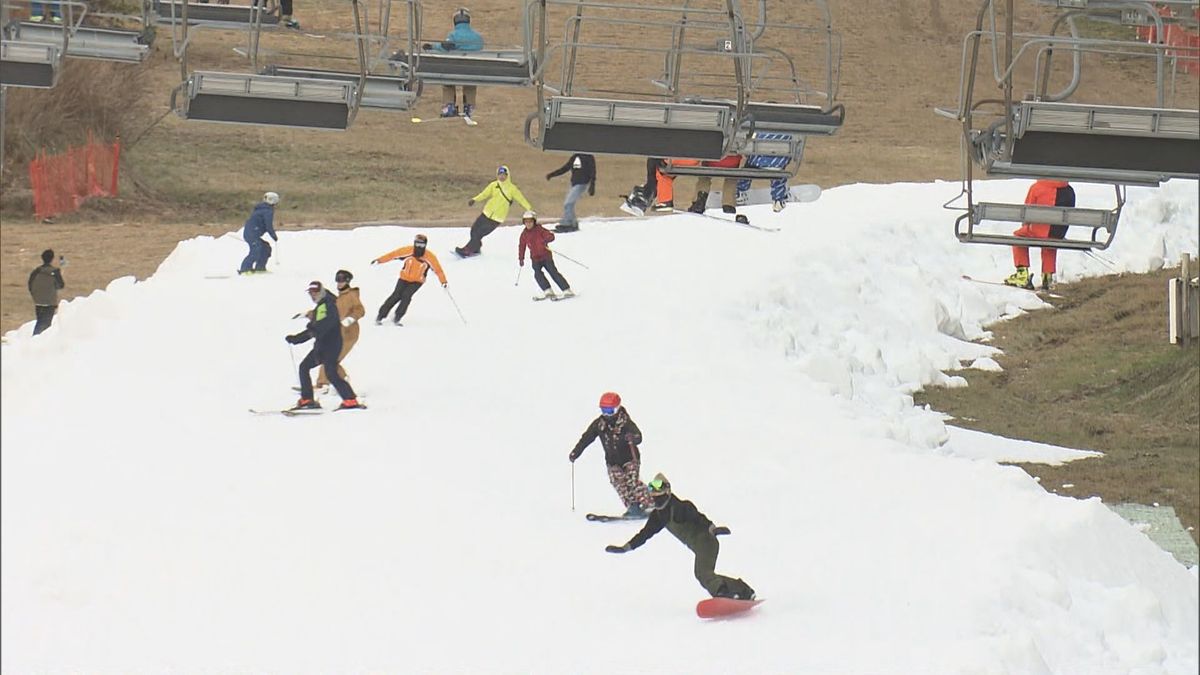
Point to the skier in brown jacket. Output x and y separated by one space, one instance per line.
350 309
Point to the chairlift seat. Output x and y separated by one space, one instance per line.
87 42
802 119
1117 144
29 64
232 16
740 172
644 128
1098 220
385 92
486 68
243 98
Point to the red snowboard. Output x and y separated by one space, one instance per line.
716 608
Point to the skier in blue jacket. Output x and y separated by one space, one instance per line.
462 39
260 222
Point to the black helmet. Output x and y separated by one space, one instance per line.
343 275
463 15
659 490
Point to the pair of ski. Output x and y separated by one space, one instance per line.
1040 292
300 412
554 298
710 608
469 122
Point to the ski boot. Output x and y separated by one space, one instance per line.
665 206
779 205
1020 279
468 110
566 227
289 22
449 110
635 510
726 208
1047 281
350 404
568 293
306 404
700 202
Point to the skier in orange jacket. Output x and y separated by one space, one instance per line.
1044 192
417 263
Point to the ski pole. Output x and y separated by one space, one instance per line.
569 258
572 486
460 314
518 281
292 353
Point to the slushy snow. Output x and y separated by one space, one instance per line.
150 524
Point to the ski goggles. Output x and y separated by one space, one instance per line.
655 485
607 409
342 278
502 171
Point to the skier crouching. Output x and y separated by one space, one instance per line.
695 530
323 327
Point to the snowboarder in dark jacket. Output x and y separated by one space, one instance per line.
695 530
44 284
620 437
583 177
324 326
260 222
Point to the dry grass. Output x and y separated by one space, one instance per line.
1121 390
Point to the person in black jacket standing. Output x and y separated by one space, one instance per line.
695 530
44 284
620 437
324 326
583 176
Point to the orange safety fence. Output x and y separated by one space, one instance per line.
63 182
1185 43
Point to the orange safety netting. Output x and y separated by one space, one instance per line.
1185 43
61 183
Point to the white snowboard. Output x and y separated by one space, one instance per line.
805 192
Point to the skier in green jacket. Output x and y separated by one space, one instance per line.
696 531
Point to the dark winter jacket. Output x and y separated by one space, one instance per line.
324 325
536 239
617 433
585 174
44 284
260 222
681 518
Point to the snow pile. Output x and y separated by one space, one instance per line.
150 524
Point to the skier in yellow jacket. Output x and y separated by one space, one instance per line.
417 263
500 194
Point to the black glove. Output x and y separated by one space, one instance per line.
574 456
592 190
426 46
374 262
616 549
719 530
470 202
295 339
549 176
449 46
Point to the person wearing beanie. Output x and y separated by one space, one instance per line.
417 263
44 284
350 309
620 438
260 222
695 530
499 195
463 38
323 328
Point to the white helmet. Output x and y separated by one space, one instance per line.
528 214
271 198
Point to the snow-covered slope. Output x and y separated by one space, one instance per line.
150 524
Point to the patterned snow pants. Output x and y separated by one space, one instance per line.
629 487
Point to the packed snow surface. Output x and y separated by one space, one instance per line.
151 524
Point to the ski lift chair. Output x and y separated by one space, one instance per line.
644 128
170 12
29 64
87 42
246 98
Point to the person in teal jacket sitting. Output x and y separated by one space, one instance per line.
462 39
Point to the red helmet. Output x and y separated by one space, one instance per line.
610 399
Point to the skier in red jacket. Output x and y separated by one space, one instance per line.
1044 192
536 238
